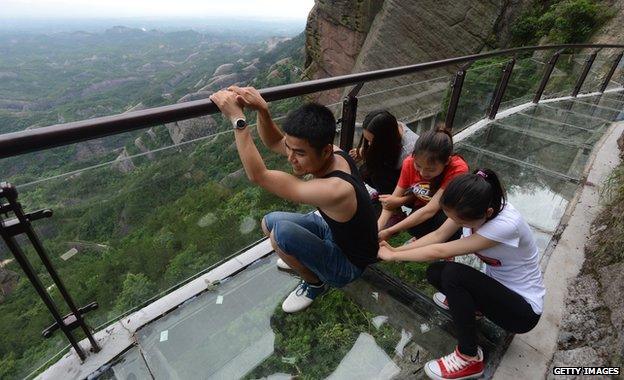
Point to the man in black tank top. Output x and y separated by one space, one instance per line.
333 246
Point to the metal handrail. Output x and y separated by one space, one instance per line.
16 143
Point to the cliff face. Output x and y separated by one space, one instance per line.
389 33
335 33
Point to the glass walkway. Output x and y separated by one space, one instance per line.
155 221
378 327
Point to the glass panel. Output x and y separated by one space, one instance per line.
599 69
238 330
552 128
130 366
612 103
590 106
563 78
523 83
617 80
594 77
551 154
541 197
551 111
134 216
417 103
477 92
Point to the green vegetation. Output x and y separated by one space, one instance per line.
175 213
311 350
608 240
560 21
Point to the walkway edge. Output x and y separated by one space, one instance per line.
529 355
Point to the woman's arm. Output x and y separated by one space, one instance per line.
442 234
473 243
390 200
422 214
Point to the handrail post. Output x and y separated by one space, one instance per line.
614 66
501 88
9 229
349 115
588 64
547 72
458 83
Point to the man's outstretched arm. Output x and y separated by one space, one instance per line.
320 193
269 133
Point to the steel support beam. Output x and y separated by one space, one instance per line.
349 115
458 83
609 75
588 64
547 72
501 88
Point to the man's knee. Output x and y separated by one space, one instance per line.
280 235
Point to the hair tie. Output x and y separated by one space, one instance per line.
482 174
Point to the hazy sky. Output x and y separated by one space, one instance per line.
292 9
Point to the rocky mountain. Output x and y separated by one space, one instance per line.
355 36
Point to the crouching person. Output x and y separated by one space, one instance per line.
333 247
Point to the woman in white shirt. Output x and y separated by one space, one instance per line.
510 293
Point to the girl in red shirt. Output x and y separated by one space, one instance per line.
424 175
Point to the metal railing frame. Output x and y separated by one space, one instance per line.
16 143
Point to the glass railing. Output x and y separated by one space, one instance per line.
565 74
140 213
524 82
127 230
477 92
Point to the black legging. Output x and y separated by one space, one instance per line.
468 290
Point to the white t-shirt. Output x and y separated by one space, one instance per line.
407 144
514 262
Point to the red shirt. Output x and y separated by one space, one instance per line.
410 178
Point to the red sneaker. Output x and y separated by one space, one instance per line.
455 366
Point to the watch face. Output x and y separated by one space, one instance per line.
240 124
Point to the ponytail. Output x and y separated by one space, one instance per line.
470 195
437 144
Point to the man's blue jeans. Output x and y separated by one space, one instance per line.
308 238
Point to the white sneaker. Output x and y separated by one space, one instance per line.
440 300
302 297
281 264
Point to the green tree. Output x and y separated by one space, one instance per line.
136 289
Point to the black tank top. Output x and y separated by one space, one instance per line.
356 237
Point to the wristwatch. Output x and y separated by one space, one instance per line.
239 123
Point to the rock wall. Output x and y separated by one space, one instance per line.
335 33
390 33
